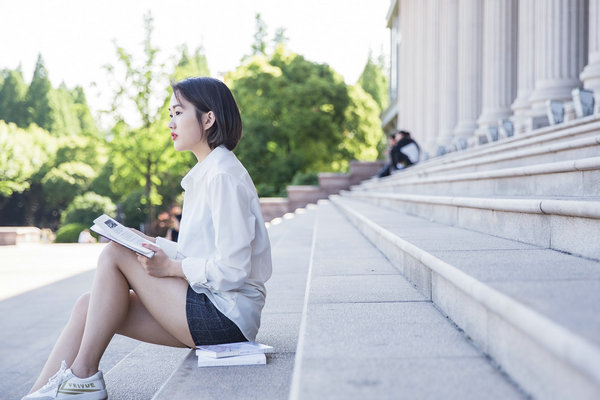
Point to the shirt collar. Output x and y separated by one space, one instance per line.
199 170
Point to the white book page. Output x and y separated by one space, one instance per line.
108 227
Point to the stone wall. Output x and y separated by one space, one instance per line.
329 183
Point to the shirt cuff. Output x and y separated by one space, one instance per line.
168 246
194 270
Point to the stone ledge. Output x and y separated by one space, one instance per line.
13 235
577 127
425 169
569 208
560 342
585 164
299 196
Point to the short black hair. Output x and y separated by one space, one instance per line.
209 94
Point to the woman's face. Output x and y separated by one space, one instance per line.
186 132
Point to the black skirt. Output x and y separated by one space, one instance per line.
207 324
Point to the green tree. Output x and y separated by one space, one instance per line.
38 97
65 120
12 97
374 81
86 207
87 124
280 38
293 114
65 181
188 66
23 153
362 128
259 46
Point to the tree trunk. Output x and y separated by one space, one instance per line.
150 215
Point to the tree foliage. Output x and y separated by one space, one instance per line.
86 207
12 98
259 46
362 128
374 81
65 181
292 112
38 97
23 154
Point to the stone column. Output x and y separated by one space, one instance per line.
419 77
431 79
405 63
526 64
499 76
470 13
448 71
560 53
591 73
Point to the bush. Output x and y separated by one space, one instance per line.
61 184
87 207
69 233
306 178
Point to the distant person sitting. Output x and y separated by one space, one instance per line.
406 152
385 170
85 236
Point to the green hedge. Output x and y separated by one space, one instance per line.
69 233
87 207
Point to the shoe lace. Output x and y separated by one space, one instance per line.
55 379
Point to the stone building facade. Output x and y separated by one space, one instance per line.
465 72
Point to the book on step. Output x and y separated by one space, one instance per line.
248 359
233 349
112 230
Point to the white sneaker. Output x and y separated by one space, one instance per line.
49 389
65 385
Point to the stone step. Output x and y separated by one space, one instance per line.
577 129
572 226
143 371
534 311
291 240
548 145
575 178
367 333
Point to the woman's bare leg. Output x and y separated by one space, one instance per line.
154 313
68 342
163 299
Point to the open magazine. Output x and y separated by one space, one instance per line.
112 230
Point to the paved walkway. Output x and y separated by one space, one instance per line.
27 267
38 286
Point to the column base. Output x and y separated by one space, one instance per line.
536 122
591 77
465 129
550 90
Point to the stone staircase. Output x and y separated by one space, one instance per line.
473 275
505 241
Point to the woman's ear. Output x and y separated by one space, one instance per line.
208 120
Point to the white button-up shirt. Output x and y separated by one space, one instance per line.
223 243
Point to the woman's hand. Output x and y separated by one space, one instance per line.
160 265
149 238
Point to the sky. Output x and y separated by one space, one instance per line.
77 37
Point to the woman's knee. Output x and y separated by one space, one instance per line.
110 251
80 309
